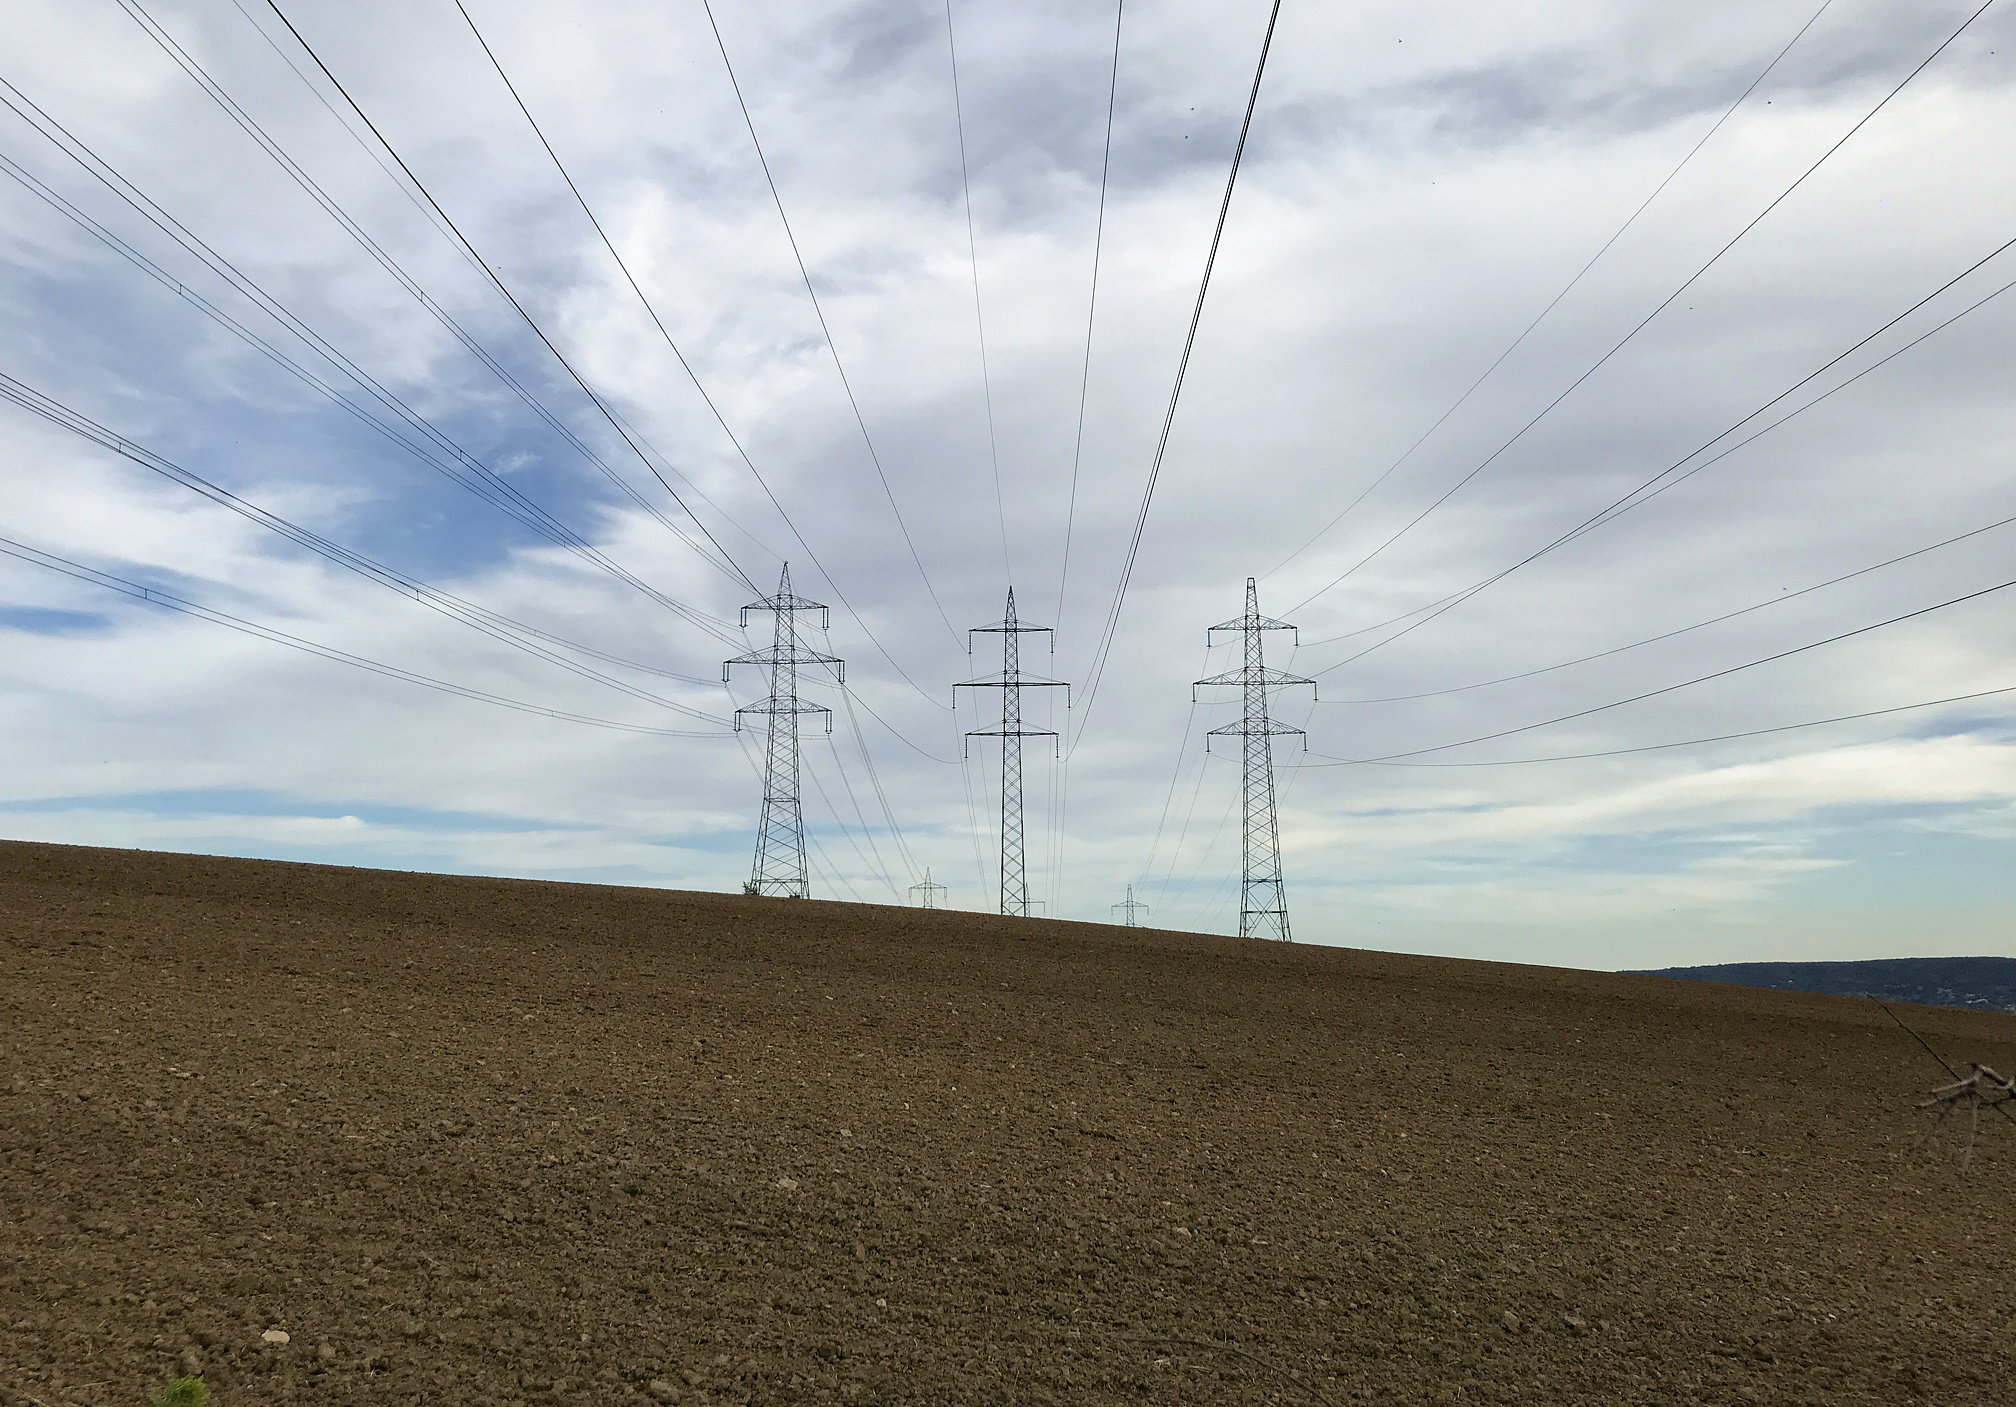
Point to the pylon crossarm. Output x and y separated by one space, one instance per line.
1020 681
787 654
1255 728
1255 623
1272 678
777 705
788 603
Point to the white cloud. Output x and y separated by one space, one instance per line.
1420 183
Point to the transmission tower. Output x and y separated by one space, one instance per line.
1128 910
927 889
780 837
1263 904
1011 682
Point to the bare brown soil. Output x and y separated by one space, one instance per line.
476 1141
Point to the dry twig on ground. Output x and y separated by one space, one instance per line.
1981 1087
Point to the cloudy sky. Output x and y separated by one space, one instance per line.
1410 377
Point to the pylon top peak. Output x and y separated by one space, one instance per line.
787 600
1252 619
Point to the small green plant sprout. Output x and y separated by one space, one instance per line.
183 1392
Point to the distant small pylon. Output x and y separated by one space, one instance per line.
927 889
1130 908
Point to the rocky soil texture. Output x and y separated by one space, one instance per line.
339 1136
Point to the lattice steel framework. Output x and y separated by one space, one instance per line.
928 890
780 836
1263 902
1129 910
1011 682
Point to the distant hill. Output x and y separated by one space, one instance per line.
1980 983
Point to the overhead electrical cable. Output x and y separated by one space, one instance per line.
460 466
1777 600
725 562
155 596
1662 747
1555 301
890 728
819 312
1107 634
1092 307
972 804
497 626
1062 770
1677 472
1176 771
687 367
138 200
979 318
871 858
335 210
903 852
1699 679
1645 321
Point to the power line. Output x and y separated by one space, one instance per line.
686 366
490 487
481 481
1175 774
871 859
1661 747
902 738
335 210
1061 769
1646 321
1555 302
726 563
972 805
1700 679
155 596
804 273
1779 599
979 319
1092 307
497 626
1673 473
1107 634
903 854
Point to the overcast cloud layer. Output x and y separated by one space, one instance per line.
1421 182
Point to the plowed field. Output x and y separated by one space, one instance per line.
470 1141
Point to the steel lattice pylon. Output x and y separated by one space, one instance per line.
1263 903
928 890
1011 682
1130 909
780 836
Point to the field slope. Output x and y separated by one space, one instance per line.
469 1141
